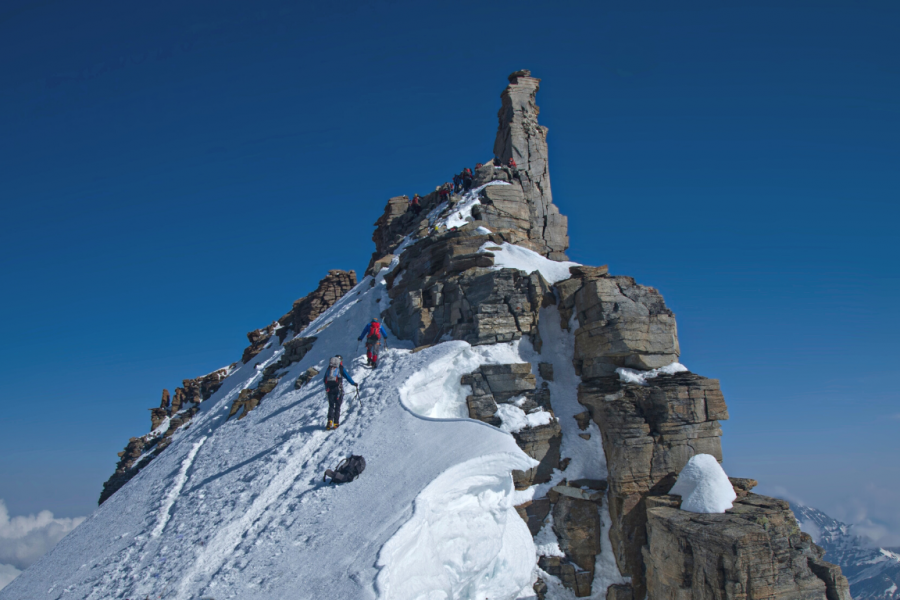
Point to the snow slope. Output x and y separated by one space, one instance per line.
237 509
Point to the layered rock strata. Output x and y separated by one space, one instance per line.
521 212
649 434
621 323
753 551
443 286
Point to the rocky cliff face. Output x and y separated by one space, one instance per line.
447 276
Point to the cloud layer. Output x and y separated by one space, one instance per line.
25 539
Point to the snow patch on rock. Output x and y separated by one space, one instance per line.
511 256
434 391
704 486
641 377
514 419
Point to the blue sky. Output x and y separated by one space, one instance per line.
174 176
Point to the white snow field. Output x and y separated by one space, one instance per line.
238 509
703 486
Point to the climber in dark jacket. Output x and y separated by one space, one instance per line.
466 176
415 205
335 373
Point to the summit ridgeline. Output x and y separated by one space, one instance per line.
522 435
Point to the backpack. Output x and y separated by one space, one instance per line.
348 470
333 374
374 330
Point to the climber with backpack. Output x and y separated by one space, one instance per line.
334 387
415 205
466 176
374 334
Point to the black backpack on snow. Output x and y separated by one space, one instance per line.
347 471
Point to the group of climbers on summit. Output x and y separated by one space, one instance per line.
462 183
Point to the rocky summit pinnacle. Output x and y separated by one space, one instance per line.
521 138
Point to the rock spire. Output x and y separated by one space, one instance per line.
520 137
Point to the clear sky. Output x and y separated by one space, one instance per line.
173 175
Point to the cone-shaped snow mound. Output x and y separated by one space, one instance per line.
704 486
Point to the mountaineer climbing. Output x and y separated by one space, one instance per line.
512 163
466 177
334 387
415 204
374 334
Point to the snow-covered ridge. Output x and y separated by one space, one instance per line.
237 509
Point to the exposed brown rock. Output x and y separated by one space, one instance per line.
519 136
331 288
753 551
447 289
649 433
305 377
259 339
742 486
619 591
622 324
569 573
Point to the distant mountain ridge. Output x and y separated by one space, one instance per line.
873 573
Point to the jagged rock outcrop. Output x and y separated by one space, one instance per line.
294 351
259 339
754 551
250 398
305 377
575 507
621 323
173 414
649 434
331 288
444 286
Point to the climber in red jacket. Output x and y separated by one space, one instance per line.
374 334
